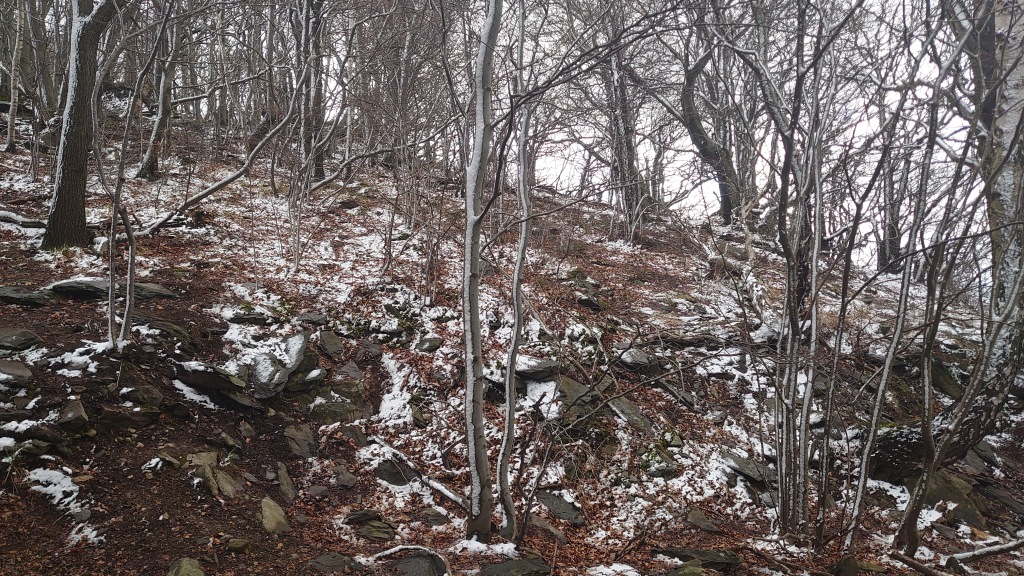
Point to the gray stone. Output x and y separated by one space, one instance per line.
271 374
368 351
15 372
202 459
17 339
317 491
533 368
748 468
252 318
332 345
207 377
186 567
376 530
18 296
344 412
395 473
145 395
691 568
246 430
561 508
273 518
314 318
228 441
635 359
287 487
343 477
697 517
578 400
545 526
631 413
428 345
73 417
96 289
420 564
227 483
239 546
240 399
301 440
361 517
334 564
714 559
205 473
434 517
114 417
524 567
948 487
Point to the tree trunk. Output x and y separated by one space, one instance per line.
150 166
12 112
66 223
478 525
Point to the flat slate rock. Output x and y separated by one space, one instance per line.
18 339
524 567
17 372
98 289
331 343
536 368
185 567
300 440
561 508
332 563
697 517
714 559
19 296
207 377
395 473
420 564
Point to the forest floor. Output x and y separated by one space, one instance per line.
127 462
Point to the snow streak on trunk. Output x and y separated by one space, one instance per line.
478 525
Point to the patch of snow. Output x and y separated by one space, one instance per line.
192 395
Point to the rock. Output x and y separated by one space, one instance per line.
545 526
948 487
368 351
207 377
228 441
301 440
847 566
395 473
145 395
536 368
721 560
73 417
239 546
377 531
945 381
202 459
287 487
97 289
186 567
697 517
591 303
334 564
246 430
343 477
251 318
430 344
331 343
635 359
16 372
435 517
691 568
631 413
314 318
271 374
114 417
361 517
747 468
17 339
18 296
273 518
316 491
578 400
524 567
227 483
240 399
420 564
205 473
561 508
344 412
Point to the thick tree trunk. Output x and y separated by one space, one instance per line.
66 223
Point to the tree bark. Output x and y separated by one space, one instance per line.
65 225
149 169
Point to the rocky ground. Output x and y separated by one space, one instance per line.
265 421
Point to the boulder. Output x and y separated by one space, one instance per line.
395 473
73 417
721 560
271 374
332 563
697 518
287 487
376 530
343 477
145 395
17 339
326 413
207 377
301 440
185 567
113 417
19 296
314 318
561 508
428 345
536 368
273 517
98 289
331 343
16 372
420 564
